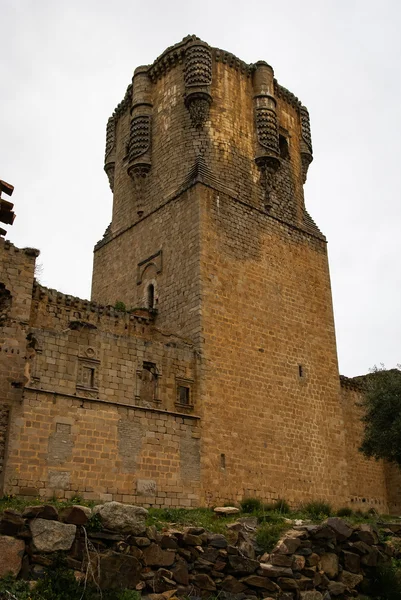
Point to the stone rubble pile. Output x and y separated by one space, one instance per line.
311 562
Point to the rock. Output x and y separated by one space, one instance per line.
163 581
340 527
123 518
12 524
194 530
211 554
329 564
273 571
289 585
141 542
117 571
203 582
335 588
217 541
367 534
311 595
50 536
288 545
245 546
189 539
261 582
45 511
280 560
11 554
153 534
232 585
305 583
371 559
154 556
350 580
352 562
360 547
168 542
312 560
136 552
298 562
226 510
76 515
243 565
180 573
323 531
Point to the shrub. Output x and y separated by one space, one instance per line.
317 509
345 512
282 506
250 505
268 535
120 305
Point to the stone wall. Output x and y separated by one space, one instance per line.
310 562
16 279
270 352
367 481
108 410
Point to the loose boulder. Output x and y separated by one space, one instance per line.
124 518
50 536
11 553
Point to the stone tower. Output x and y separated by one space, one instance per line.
206 157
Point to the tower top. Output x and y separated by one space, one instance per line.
198 113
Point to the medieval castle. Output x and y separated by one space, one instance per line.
204 368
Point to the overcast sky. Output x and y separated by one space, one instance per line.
64 67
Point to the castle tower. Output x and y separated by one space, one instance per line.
206 157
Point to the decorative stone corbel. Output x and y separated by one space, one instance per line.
306 142
268 153
139 154
198 79
110 153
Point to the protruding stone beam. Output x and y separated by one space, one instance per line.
306 142
198 79
7 214
140 138
267 152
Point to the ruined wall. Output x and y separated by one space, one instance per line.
16 280
271 418
77 431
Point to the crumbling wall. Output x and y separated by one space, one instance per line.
16 281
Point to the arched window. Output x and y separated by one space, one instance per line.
151 295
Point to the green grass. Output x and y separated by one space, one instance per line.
269 534
59 583
197 517
317 509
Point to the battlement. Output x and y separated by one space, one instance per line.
51 308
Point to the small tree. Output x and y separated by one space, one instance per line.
382 418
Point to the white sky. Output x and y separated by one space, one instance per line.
64 67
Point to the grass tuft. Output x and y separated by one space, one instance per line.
251 505
317 509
